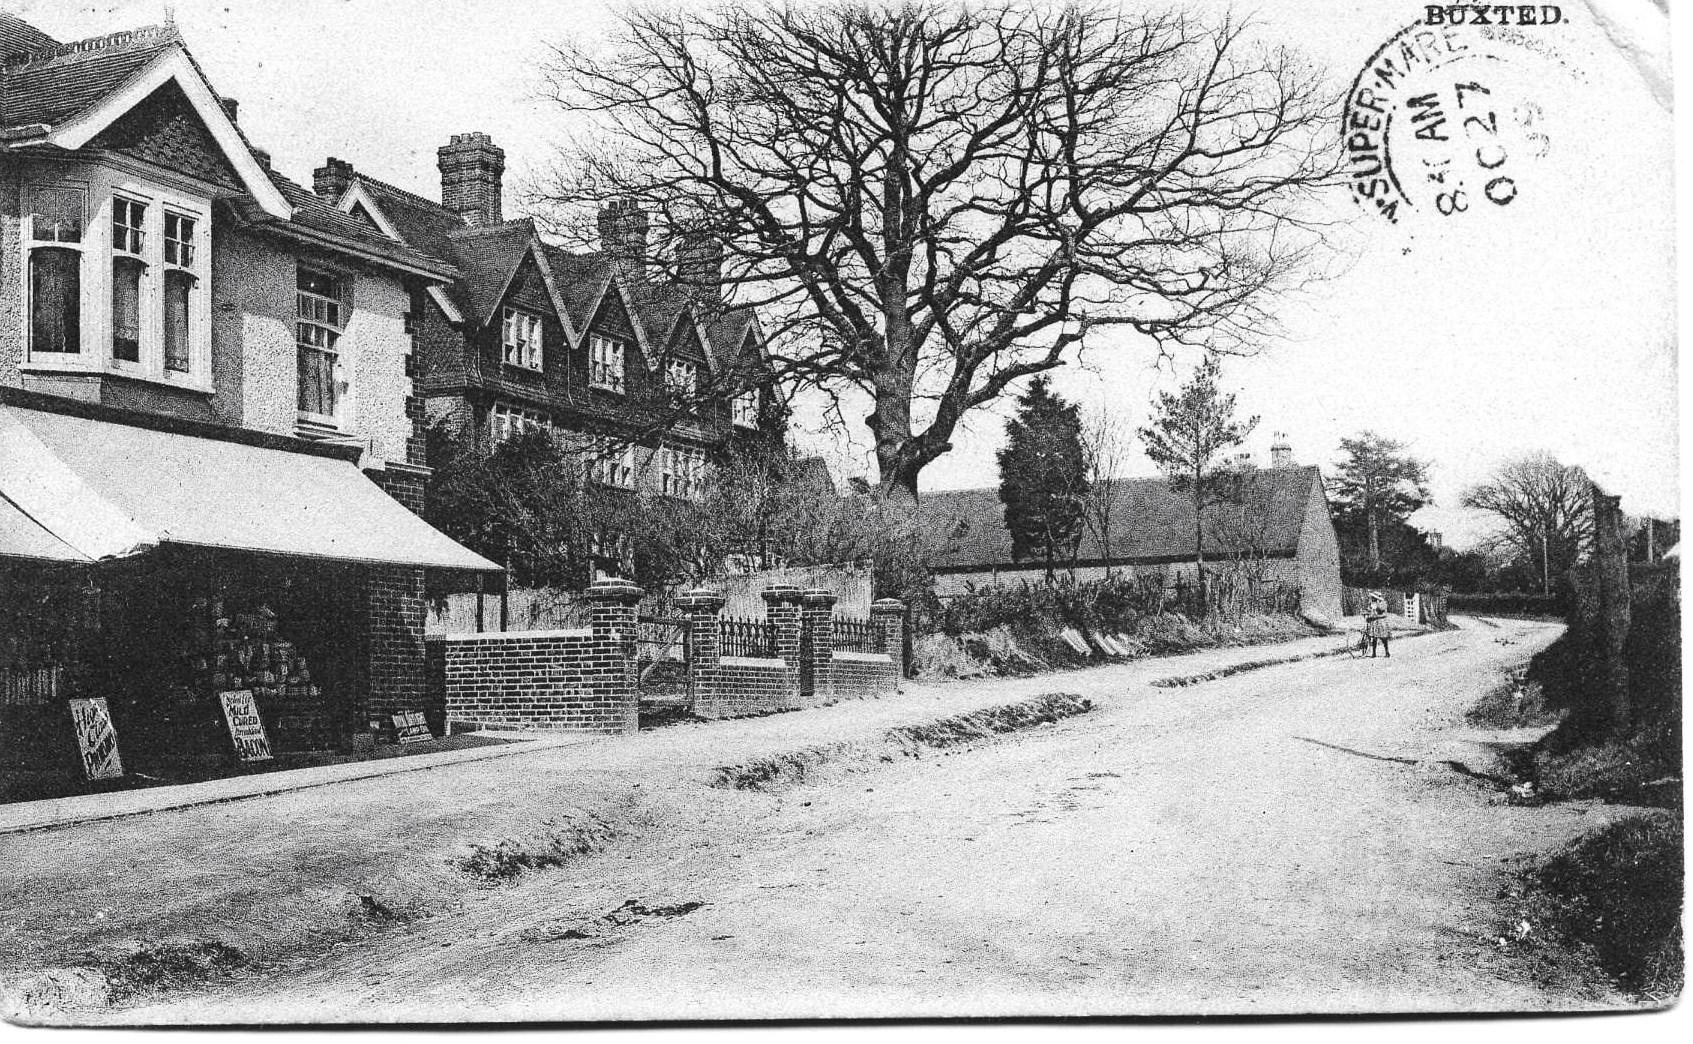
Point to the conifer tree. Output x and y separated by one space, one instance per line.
1043 477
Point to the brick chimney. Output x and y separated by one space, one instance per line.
332 179
623 238
1281 453
699 267
471 165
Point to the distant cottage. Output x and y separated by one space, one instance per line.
1276 528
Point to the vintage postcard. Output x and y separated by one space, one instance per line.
592 512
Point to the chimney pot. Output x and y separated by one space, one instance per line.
332 180
471 166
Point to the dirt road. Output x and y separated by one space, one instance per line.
1284 840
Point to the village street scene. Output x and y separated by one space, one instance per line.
599 513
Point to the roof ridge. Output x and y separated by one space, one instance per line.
166 33
409 197
471 231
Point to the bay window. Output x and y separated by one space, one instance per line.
125 272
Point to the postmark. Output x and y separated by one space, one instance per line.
1445 121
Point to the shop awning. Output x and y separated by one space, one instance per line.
92 490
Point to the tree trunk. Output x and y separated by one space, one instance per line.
1610 574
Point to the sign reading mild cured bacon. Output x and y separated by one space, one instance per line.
246 728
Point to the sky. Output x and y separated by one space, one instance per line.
1548 323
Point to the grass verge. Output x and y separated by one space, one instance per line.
1614 898
794 767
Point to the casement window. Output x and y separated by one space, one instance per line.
320 318
681 472
131 282
506 421
605 363
681 378
53 235
744 408
181 284
612 464
522 339
129 270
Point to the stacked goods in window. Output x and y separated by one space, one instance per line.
248 653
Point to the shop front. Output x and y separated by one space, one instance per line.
158 565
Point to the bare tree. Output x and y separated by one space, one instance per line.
928 200
1546 508
1105 448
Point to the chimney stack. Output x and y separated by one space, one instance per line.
1281 453
1436 540
332 180
623 238
230 108
699 267
471 165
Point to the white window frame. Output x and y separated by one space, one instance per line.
506 420
100 187
616 470
681 472
744 408
520 339
607 358
681 378
331 315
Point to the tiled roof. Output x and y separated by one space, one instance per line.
18 37
486 258
579 278
313 215
1148 520
58 84
424 224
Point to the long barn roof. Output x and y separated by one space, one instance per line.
1149 522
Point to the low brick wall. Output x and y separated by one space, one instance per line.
555 681
860 675
745 685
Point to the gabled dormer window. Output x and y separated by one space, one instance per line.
605 363
681 379
521 337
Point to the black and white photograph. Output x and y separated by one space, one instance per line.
821 513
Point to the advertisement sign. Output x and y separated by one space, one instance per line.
409 727
245 727
96 738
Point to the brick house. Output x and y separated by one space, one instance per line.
647 380
1277 528
208 425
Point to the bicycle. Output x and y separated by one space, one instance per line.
1357 642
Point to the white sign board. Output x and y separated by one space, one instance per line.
96 738
246 729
